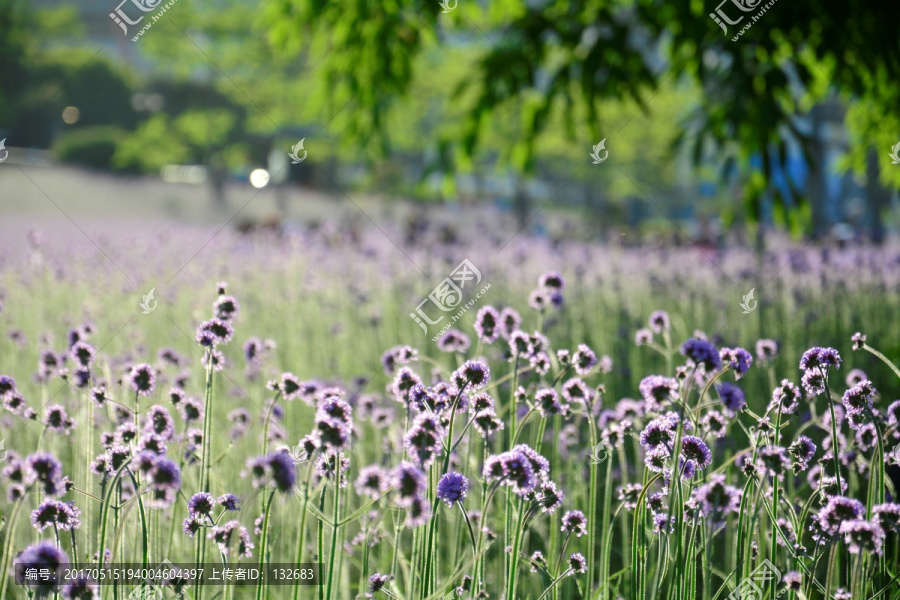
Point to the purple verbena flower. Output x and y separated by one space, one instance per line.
695 450
574 522
453 340
373 481
61 515
142 379
659 321
737 359
452 488
487 324
732 398
201 504
702 353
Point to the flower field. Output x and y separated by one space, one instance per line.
602 423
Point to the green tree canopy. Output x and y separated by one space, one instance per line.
566 59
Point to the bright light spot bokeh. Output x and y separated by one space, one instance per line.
259 178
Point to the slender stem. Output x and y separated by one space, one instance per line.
834 438
592 508
320 541
207 427
7 546
263 545
469 525
145 542
74 548
336 519
883 358
302 537
775 482
512 580
555 581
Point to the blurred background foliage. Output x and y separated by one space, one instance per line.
494 102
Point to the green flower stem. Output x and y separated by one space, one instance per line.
555 581
606 530
512 580
320 541
145 542
263 545
302 537
7 546
336 520
592 508
834 437
469 525
207 428
773 550
883 358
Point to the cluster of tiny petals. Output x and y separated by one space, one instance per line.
836 511
518 468
576 391
657 390
510 321
226 307
817 358
659 321
732 398
802 450
659 434
214 332
577 563
702 353
737 359
472 376
785 398
403 382
487 324
858 399
695 450
142 379
584 359
423 440
860 534
766 350
55 513
453 340
452 488
373 481
574 522
398 355
548 403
